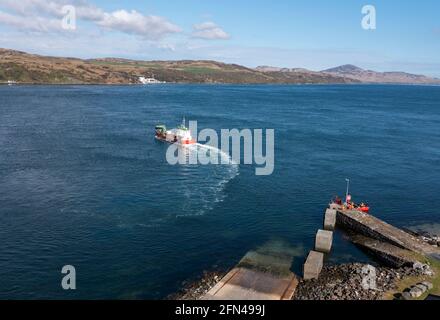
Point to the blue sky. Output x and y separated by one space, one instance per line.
314 34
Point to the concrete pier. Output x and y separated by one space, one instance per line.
324 241
372 227
387 253
245 284
262 274
313 265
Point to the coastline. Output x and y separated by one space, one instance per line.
218 84
343 281
337 282
195 289
25 68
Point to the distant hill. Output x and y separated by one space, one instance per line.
29 68
276 69
369 76
356 74
346 68
35 69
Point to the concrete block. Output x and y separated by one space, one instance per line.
406 296
324 241
313 265
334 206
330 220
428 285
415 292
421 287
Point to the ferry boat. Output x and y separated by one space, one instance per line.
180 135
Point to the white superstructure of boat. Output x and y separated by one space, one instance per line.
181 134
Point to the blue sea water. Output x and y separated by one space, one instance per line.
84 183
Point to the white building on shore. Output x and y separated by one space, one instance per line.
145 80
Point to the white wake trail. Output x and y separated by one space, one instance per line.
223 155
214 178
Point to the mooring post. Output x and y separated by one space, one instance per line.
313 265
324 241
330 219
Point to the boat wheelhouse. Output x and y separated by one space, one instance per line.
181 134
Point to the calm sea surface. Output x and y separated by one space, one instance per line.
84 183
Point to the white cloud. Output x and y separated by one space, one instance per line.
87 11
36 24
42 15
52 8
31 7
209 31
151 27
166 46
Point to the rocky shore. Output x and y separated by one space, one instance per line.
427 237
344 282
336 282
195 290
